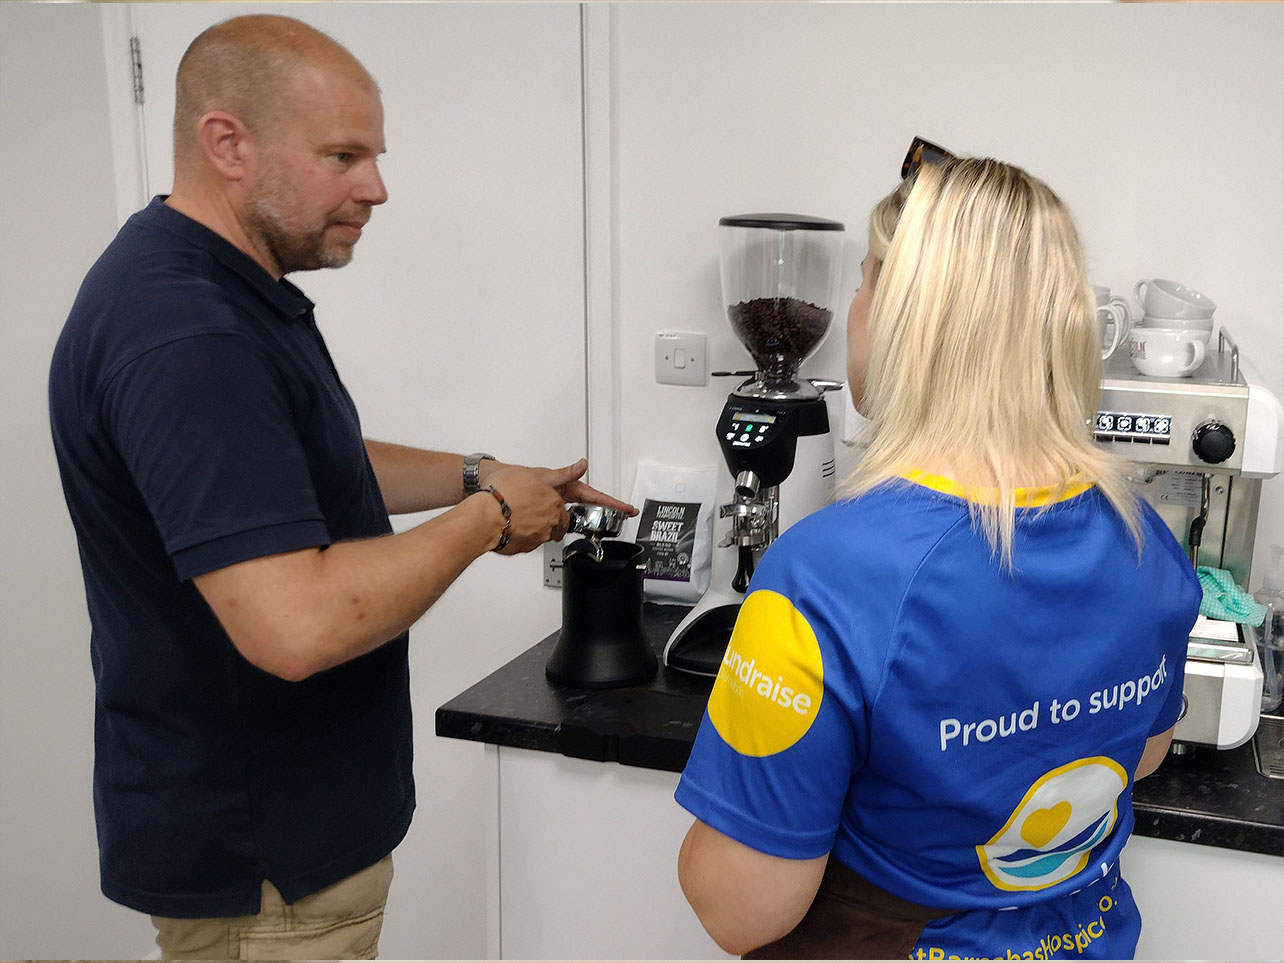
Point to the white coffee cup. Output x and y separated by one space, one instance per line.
1113 320
1203 327
1165 352
1161 298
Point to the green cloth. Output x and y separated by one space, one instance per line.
1225 600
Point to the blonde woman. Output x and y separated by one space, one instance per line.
940 689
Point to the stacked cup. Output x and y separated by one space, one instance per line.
1113 320
1171 339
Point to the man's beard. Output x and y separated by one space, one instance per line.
294 246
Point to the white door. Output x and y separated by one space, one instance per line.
459 325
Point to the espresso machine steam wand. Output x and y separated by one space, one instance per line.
1196 534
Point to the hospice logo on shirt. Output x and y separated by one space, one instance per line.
771 680
1050 835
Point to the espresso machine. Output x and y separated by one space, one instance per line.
781 276
1202 446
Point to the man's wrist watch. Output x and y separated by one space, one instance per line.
472 473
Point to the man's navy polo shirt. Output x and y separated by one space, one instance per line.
199 422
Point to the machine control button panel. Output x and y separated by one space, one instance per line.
1136 427
748 429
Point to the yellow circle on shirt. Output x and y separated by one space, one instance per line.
771 680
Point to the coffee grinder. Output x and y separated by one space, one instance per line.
781 275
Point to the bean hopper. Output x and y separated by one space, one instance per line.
781 276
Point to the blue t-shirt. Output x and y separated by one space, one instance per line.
199 422
960 736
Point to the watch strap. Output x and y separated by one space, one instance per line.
472 473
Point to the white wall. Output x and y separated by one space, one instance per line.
59 212
1160 125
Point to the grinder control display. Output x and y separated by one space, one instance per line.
762 436
748 428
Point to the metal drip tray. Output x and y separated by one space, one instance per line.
1213 640
1208 651
1268 747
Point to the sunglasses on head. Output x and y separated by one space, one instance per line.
923 152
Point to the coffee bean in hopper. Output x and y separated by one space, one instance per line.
779 332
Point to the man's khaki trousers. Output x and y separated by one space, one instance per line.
340 922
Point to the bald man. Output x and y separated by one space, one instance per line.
248 599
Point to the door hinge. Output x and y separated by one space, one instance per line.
136 65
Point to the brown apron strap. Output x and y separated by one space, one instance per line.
851 919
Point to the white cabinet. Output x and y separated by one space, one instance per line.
587 862
587 869
1205 903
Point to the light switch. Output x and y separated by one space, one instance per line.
680 358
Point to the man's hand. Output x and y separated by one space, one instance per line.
576 491
538 497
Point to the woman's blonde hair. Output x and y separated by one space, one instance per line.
983 345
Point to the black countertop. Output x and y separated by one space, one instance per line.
1212 797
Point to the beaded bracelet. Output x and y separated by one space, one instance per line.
508 517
